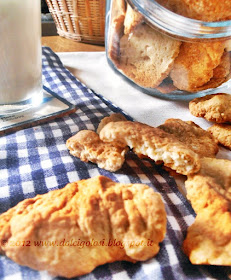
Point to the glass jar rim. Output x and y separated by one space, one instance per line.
179 26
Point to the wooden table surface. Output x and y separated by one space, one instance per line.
60 44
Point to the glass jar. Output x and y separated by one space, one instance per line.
165 53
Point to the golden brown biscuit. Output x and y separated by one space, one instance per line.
87 146
194 65
166 86
228 45
223 69
222 133
205 10
147 56
115 117
154 143
116 29
193 135
89 222
213 180
208 239
215 108
211 185
132 19
220 73
208 10
118 8
205 191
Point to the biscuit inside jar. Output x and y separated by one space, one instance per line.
171 64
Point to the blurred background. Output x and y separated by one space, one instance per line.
78 20
48 25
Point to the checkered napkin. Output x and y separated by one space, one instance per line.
36 160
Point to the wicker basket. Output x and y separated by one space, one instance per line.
79 20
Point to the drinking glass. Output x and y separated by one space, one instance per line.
20 55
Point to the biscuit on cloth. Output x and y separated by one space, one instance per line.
194 65
211 182
208 239
147 56
214 108
193 135
89 214
222 133
115 117
205 10
87 146
154 143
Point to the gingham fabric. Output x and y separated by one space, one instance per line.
36 160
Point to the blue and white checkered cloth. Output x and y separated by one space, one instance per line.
35 160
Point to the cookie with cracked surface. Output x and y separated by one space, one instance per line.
211 185
222 133
147 56
220 74
87 146
153 143
205 10
166 86
214 108
194 65
116 117
193 135
118 12
132 19
93 210
208 239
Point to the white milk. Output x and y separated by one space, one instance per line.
20 50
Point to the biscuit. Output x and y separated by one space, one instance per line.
116 30
222 133
208 10
223 69
228 45
210 185
214 108
147 56
220 73
115 117
89 222
166 86
191 134
208 239
87 146
154 143
132 19
205 10
194 65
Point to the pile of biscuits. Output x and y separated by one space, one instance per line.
183 148
215 108
208 239
176 144
153 60
111 221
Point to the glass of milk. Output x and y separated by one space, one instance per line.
20 55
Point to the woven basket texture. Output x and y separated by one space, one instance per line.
79 20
